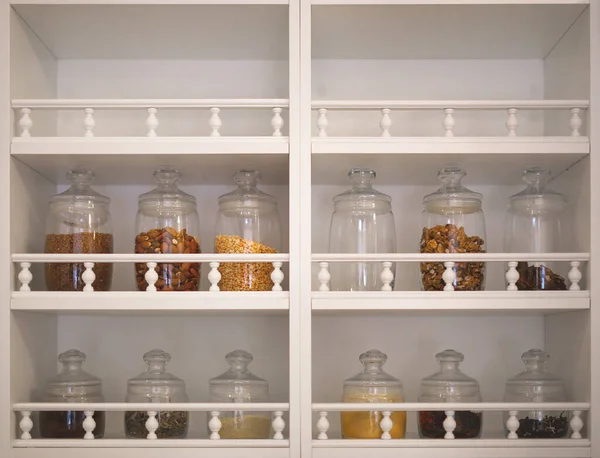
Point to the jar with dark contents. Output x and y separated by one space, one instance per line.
71 385
78 222
167 223
449 384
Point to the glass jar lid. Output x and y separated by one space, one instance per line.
535 373
373 373
449 383
167 194
72 379
156 374
247 194
362 193
452 196
536 198
238 372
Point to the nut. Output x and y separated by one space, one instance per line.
171 277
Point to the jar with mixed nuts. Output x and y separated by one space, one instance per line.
78 222
453 222
247 223
167 223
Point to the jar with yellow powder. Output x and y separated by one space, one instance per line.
373 384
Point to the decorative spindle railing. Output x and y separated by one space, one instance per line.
25 108
25 411
214 261
448 109
512 423
387 261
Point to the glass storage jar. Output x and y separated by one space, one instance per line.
156 385
362 222
373 384
453 222
78 222
71 385
238 384
535 221
535 384
247 223
167 223
449 384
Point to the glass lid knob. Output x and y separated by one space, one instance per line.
167 175
451 176
247 177
373 357
71 356
81 176
537 176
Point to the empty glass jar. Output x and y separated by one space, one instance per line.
362 222
167 223
71 385
156 385
453 222
238 384
373 384
247 223
449 384
535 384
78 222
535 221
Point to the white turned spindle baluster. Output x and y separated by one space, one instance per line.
386 122
574 276
512 276
387 276
152 122
151 277
88 276
89 424
449 276
449 424
215 122
152 425
576 424
449 121
575 122
322 122
277 122
386 425
322 426
25 276
512 424
324 276
277 276
88 122
214 425
26 424
214 276
278 425
512 123
26 123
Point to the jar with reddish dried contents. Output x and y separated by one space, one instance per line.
167 223
452 221
247 223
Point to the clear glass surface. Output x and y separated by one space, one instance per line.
72 384
453 222
372 384
155 384
238 384
449 384
78 222
247 223
167 223
362 222
535 223
536 384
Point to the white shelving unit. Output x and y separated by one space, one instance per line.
301 90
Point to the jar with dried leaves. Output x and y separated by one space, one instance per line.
453 222
157 385
167 223
247 223
536 223
78 222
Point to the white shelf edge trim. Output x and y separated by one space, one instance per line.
444 406
440 443
441 104
125 406
163 258
161 443
458 257
147 103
